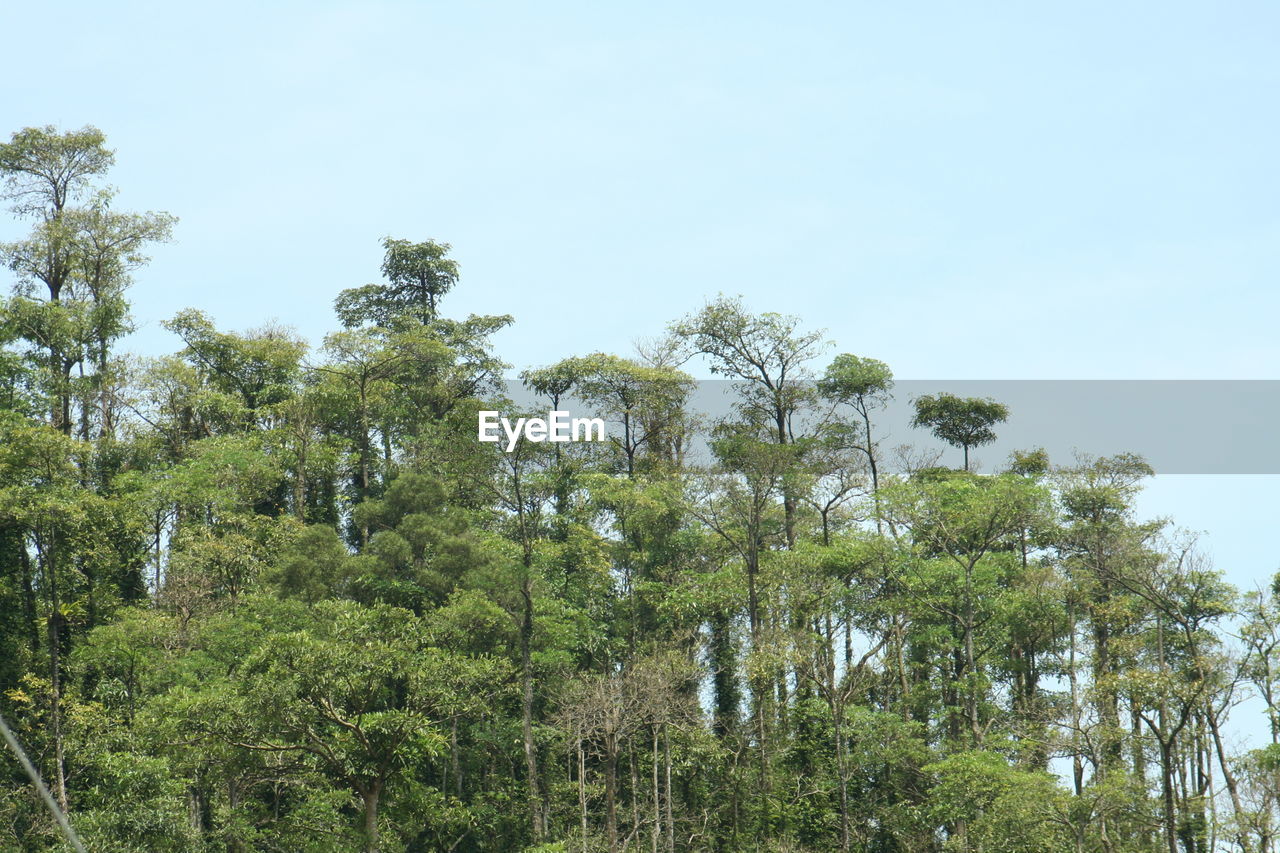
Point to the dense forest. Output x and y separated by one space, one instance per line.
269 594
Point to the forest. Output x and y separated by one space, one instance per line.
270 594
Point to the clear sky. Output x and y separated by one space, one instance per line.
963 190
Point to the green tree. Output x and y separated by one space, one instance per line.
863 384
960 566
74 267
361 692
417 275
962 422
769 355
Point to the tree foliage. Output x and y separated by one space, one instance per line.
259 596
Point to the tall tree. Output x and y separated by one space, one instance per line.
417 274
962 422
73 268
863 384
769 355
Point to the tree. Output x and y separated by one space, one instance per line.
80 543
417 275
370 631
960 421
361 692
644 401
44 170
769 355
108 247
257 370
359 366
80 257
522 494
960 567
863 384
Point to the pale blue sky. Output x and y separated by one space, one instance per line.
962 190
968 190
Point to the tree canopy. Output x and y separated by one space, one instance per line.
264 593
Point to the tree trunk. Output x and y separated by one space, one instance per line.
667 808
28 596
371 797
582 791
1139 759
1108 701
971 665
233 803
526 711
364 458
842 770
611 791
724 679
455 765
104 396
300 488
1077 765
55 677
657 797
1228 778
1166 789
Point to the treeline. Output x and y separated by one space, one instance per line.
260 596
